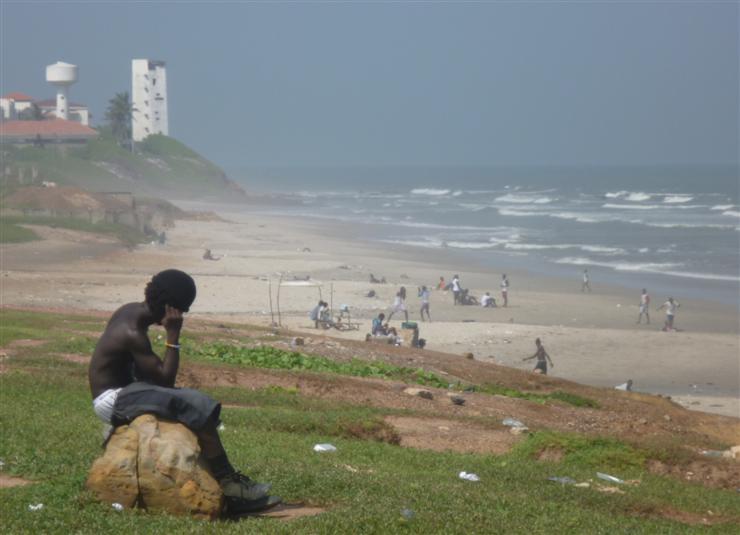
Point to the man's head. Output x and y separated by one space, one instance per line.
169 287
670 299
381 316
538 342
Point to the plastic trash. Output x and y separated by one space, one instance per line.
117 506
511 422
407 514
2 464
468 476
562 480
222 427
323 448
607 477
35 507
712 453
626 387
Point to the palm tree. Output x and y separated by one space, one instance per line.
119 114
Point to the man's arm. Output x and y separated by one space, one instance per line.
148 364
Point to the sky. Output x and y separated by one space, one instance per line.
400 83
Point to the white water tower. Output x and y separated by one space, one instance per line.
62 75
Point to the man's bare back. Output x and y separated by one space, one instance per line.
124 352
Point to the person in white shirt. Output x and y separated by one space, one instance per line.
644 307
456 289
487 301
586 285
505 289
399 304
670 311
424 295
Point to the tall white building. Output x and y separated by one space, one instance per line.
149 98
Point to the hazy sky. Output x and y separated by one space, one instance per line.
389 83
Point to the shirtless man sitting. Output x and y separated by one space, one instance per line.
127 379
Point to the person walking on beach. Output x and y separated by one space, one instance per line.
586 285
424 295
542 358
670 311
505 289
441 285
127 379
399 304
644 307
456 288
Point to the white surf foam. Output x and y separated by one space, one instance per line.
677 199
661 268
638 197
731 213
430 191
523 199
723 207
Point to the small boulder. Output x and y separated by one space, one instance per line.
156 465
419 392
469 356
518 430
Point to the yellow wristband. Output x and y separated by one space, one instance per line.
173 346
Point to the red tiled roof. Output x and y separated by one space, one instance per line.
17 95
45 129
52 102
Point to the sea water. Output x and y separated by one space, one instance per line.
681 241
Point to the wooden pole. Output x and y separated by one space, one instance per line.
280 319
269 290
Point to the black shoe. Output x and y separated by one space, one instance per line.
239 486
236 507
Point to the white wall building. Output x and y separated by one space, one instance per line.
149 98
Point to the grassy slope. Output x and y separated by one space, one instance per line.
125 234
50 435
161 163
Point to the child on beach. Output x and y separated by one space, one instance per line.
487 301
424 295
399 304
542 358
441 285
644 307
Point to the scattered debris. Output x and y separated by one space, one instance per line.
221 428
666 417
469 356
297 341
626 387
562 480
608 490
419 392
519 430
607 477
468 476
324 448
35 507
512 422
117 506
457 400
407 514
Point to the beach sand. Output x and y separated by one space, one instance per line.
592 338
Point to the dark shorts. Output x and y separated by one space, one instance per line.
542 366
192 408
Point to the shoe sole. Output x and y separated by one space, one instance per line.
255 507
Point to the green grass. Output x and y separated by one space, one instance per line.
50 435
124 233
565 397
273 358
12 233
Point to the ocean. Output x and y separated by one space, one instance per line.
676 241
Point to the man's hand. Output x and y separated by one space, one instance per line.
172 323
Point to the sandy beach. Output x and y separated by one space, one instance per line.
592 338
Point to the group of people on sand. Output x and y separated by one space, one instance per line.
462 296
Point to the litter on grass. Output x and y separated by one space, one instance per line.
221 428
35 507
512 422
407 514
117 506
607 477
323 448
563 480
468 476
